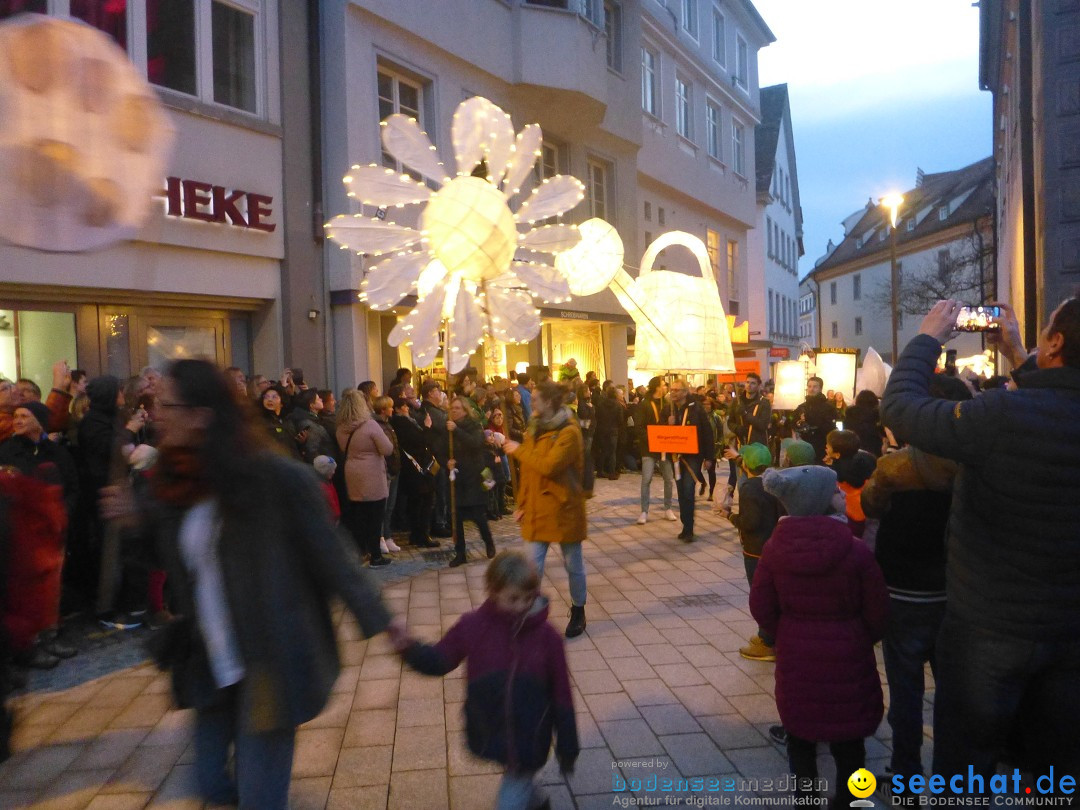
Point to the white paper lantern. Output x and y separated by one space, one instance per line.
873 375
789 379
592 264
837 372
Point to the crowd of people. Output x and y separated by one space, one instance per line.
181 501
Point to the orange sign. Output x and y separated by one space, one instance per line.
672 439
742 368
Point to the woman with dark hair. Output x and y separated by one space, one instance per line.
469 485
253 564
304 423
271 401
864 417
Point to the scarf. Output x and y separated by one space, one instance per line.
559 419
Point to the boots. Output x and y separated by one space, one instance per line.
577 621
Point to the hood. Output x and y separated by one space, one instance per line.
813 544
299 415
102 393
536 615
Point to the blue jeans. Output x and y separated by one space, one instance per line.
575 567
263 761
988 684
648 466
687 485
517 792
750 566
391 501
908 644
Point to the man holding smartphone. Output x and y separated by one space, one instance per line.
1008 654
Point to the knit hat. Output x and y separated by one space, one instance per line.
324 466
797 452
40 412
755 456
802 490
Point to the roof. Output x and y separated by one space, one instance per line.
934 191
774 103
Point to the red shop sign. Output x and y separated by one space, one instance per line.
193 199
782 352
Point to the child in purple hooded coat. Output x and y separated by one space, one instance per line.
819 592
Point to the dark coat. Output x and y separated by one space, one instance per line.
749 419
518 692
1014 545
471 460
820 418
757 516
437 437
819 593
281 433
610 417
866 422
650 412
318 442
45 461
693 413
282 563
412 440
97 433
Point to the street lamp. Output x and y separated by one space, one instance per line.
892 203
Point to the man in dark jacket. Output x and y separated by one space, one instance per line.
816 417
416 488
610 415
1009 647
750 415
431 397
687 410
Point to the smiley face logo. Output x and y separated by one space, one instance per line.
862 783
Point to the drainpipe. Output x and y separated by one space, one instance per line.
1027 173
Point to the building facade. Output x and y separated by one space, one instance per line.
944 248
808 321
1029 58
651 105
776 243
198 279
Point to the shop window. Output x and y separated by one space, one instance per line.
167 343
583 342
32 340
117 345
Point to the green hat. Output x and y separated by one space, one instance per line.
797 452
755 456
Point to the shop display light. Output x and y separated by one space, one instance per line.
474 263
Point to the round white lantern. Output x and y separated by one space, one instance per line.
591 265
470 229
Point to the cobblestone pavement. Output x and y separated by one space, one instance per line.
659 688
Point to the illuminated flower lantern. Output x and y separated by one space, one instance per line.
473 261
83 138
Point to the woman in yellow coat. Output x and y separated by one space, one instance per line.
549 495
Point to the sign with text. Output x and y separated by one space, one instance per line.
672 439
192 199
783 352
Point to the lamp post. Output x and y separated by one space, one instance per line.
892 203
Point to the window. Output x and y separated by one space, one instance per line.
768 231
944 261
742 62
712 128
858 326
649 87
648 238
835 329
738 151
732 265
683 107
858 243
234 56
648 211
170 47
899 319
943 213
597 189
398 94
881 235
689 17
550 163
719 38
712 246
109 17
772 314
733 308
832 293
592 9
911 224
661 216
9 8
613 32
856 287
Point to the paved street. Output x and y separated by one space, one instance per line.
659 688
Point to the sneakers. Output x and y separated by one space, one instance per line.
778 734
385 549
124 621
380 562
577 621
643 518
669 515
758 650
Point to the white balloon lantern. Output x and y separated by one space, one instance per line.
789 377
592 264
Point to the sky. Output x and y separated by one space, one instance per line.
878 89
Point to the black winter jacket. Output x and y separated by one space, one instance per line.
749 419
1014 542
758 514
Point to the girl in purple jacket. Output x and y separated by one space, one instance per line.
819 592
518 682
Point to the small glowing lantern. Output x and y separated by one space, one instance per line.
837 371
591 265
789 378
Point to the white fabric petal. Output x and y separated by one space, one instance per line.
500 145
526 152
554 196
420 328
470 132
371 236
376 185
404 139
550 238
543 281
513 316
464 331
392 279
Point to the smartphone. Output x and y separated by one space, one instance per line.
978 319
